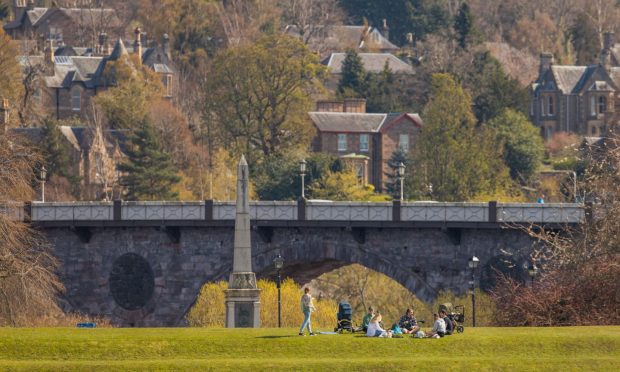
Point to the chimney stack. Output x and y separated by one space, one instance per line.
30 5
355 105
49 58
137 46
546 61
165 44
4 115
385 30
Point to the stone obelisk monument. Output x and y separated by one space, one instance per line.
242 295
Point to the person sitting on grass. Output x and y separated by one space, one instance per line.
374 328
408 323
439 328
449 325
366 319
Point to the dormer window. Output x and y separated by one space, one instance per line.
598 104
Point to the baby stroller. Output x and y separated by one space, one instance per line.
344 316
456 315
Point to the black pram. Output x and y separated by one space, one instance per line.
345 316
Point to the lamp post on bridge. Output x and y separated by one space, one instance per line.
43 176
473 264
400 172
278 262
532 271
302 174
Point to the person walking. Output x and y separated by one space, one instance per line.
307 307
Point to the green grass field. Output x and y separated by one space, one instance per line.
582 348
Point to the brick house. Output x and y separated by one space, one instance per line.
367 141
68 81
68 26
577 99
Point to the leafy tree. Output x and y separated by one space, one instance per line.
464 25
523 145
384 93
353 79
459 158
393 184
134 89
260 95
148 171
343 185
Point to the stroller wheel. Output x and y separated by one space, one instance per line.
460 329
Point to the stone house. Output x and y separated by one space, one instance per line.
69 81
577 99
366 141
63 26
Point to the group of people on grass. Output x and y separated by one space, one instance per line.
408 324
371 323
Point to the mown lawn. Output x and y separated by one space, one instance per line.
582 348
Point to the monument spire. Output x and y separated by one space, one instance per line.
242 295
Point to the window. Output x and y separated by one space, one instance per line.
364 142
550 106
168 85
342 142
602 104
592 106
55 33
593 131
36 95
403 142
542 107
76 100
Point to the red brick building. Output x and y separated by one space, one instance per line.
367 140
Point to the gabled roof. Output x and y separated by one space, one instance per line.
372 62
359 122
84 16
567 77
70 69
33 16
119 50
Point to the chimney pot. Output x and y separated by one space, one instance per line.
546 61
609 40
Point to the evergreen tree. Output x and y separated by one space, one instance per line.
583 35
353 80
382 95
393 184
149 173
463 25
57 153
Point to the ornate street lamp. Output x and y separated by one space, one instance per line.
43 175
302 173
532 271
473 264
278 262
400 173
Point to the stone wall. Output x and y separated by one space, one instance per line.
109 268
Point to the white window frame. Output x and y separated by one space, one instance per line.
76 99
602 104
403 142
364 146
342 142
593 105
550 107
542 106
168 85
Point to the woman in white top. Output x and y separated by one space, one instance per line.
307 307
374 328
439 328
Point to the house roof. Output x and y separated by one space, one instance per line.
574 79
32 15
372 62
358 122
346 37
567 77
70 69
80 138
37 16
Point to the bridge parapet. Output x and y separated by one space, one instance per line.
431 212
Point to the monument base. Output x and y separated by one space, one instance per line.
242 301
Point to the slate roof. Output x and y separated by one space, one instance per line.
347 122
573 79
69 69
355 122
373 62
33 16
81 138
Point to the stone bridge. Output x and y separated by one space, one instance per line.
143 263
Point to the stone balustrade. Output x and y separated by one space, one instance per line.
300 211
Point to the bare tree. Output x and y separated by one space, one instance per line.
28 283
310 17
